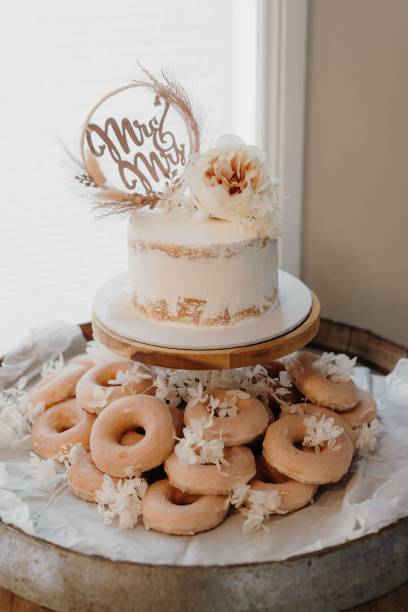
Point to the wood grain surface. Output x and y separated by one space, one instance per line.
187 359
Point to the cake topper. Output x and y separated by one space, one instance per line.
136 142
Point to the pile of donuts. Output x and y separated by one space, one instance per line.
127 432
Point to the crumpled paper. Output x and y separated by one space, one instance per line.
374 493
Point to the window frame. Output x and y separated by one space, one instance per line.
282 49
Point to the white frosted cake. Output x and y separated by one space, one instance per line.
209 256
187 267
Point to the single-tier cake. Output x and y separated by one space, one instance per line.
187 267
209 256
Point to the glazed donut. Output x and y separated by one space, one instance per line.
85 479
178 420
83 359
312 410
251 421
339 396
364 412
280 452
294 495
208 479
60 427
267 472
95 383
170 511
126 414
133 436
58 386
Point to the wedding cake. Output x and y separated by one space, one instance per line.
209 257
203 229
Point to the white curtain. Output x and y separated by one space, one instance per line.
57 60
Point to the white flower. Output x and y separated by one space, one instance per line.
231 182
32 411
228 406
17 414
320 430
52 366
173 386
197 394
131 377
43 471
239 494
193 448
121 500
70 454
337 368
255 505
367 437
101 395
172 198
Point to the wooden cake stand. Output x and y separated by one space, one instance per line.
214 359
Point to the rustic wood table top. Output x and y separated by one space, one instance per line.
396 601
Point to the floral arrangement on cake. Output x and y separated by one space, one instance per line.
231 182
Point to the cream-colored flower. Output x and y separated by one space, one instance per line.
231 182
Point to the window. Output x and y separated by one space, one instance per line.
58 58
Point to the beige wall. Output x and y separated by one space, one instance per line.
355 230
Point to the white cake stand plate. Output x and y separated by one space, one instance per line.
113 308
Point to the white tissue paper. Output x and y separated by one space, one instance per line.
374 493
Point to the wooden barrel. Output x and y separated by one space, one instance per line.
334 579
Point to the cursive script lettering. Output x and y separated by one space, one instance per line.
146 169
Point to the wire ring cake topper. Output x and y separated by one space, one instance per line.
133 162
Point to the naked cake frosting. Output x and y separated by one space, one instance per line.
210 256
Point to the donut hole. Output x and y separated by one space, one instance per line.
63 425
306 449
133 436
178 498
63 428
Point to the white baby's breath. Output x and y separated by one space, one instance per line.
101 395
131 377
239 494
196 394
193 448
228 407
121 500
321 430
337 368
52 366
173 386
255 505
70 454
44 471
17 414
367 437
